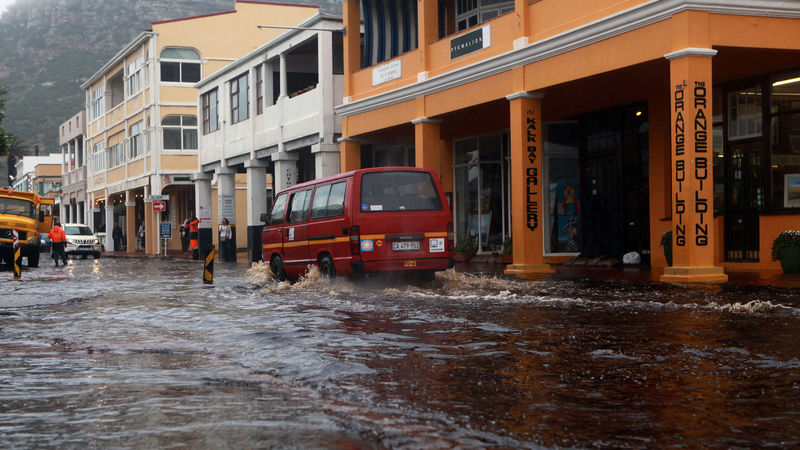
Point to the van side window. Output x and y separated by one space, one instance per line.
328 200
277 210
336 199
299 209
320 203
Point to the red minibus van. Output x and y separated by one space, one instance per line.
368 220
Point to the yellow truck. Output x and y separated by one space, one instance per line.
23 215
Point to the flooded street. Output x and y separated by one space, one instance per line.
133 353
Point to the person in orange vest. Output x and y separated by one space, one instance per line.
59 238
193 243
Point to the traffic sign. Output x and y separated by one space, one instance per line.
16 237
159 206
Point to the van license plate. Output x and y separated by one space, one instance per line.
405 246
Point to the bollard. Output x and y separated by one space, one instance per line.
208 270
17 262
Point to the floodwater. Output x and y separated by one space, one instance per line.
138 353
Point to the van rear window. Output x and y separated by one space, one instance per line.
399 191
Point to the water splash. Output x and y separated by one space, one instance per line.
260 274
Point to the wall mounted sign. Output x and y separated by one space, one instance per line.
470 42
386 72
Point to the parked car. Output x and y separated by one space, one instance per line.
45 243
387 219
81 241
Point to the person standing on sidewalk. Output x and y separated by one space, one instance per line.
185 235
59 238
225 240
116 234
193 236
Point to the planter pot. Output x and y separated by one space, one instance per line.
668 254
463 257
790 259
506 258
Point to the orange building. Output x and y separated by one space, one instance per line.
588 129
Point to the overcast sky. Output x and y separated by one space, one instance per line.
4 4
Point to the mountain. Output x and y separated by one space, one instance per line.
49 47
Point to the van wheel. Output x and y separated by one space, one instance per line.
326 267
276 266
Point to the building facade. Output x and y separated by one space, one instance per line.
40 174
588 128
73 199
267 123
142 126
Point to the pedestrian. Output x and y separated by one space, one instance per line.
185 235
116 234
225 240
140 237
59 239
193 224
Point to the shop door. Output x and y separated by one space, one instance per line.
744 201
602 208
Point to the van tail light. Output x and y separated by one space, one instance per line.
355 240
451 240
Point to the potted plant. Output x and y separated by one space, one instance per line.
786 248
508 248
666 242
465 250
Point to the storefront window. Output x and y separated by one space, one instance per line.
480 192
785 141
562 204
744 113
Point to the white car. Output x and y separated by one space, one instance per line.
81 240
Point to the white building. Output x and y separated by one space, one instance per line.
269 112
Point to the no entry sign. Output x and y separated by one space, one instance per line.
159 206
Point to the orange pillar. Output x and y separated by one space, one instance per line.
428 31
526 186
352 42
349 154
426 144
522 24
149 227
693 231
130 226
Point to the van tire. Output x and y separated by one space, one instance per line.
326 267
276 266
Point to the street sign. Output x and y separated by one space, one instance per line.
165 230
159 206
159 198
16 237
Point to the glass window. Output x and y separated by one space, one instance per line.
180 132
137 141
399 191
744 113
171 71
785 141
185 70
336 199
299 206
239 99
259 90
276 216
562 199
210 116
320 204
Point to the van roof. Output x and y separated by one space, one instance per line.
351 173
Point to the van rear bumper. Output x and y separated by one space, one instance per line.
394 265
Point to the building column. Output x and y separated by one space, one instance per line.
526 189
349 153
427 136
693 232
149 226
256 205
326 159
283 71
109 225
202 196
226 201
285 170
352 44
428 32
130 223
93 211
522 24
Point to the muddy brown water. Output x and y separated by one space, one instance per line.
136 353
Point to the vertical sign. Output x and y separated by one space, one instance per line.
531 171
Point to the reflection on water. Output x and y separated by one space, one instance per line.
139 353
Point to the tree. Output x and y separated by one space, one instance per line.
16 149
4 138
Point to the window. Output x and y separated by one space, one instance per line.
276 216
116 155
259 90
180 132
136 140
562 195
399 191
299 209
744 113
785 141
135 76
210 115
239 99
116 89
180 65
472 12
99 157
328 200
97 107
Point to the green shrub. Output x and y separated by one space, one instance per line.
787 238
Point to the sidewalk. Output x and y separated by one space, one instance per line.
492 265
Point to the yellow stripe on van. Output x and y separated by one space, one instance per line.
329 241
373 236
268 246
436 234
